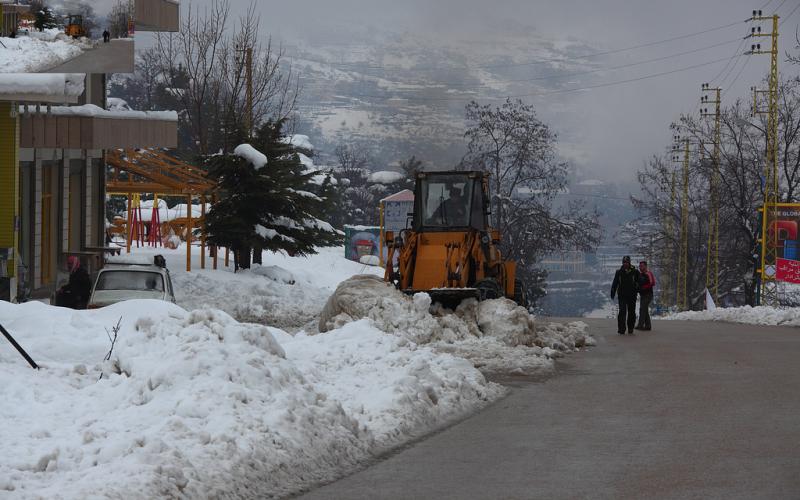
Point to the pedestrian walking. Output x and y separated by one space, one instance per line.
647 283
626 285
106 36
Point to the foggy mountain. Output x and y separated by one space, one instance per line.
403 95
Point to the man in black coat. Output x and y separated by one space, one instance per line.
626 285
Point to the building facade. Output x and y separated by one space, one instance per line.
54 133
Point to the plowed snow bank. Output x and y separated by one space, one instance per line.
495 335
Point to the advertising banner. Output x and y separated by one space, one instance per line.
362 242
785 236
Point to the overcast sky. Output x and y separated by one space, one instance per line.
619 126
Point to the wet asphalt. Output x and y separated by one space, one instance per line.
115 56
689 410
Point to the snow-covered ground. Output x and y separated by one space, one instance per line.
38 51
209 399
760 315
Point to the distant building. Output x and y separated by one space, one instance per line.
11 11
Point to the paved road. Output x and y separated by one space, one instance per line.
113 57
689 410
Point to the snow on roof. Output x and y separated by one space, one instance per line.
46 87
404 195
98 112
251 154
139 260
117 104
385 177
299 141
591 182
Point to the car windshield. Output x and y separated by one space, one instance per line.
130 280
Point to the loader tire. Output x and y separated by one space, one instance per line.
520 296
488 289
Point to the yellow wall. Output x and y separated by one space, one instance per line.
9 182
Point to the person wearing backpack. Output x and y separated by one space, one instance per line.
626 285
647 283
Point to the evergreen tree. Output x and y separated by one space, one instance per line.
274 207
45 19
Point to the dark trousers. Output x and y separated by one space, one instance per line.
627 313
644 309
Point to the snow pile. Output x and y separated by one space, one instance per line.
417 391
198 405
385 177
287 292
251 154
760 315
496 335
39 51
58 87
299 141
165 213
117 104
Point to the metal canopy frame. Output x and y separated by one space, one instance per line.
153 171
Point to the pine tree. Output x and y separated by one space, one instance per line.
272 207
45 19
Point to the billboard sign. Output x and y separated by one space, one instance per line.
785 236
361 241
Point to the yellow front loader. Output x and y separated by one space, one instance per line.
450 251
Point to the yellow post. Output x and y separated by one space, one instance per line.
9 184
380 235
188 233
203 232
769 244
216 248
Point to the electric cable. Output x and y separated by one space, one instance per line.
560 91
598 70
530 63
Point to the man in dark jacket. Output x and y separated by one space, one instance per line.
75 293
626 285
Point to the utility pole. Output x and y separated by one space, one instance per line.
681 293
712 255
669 254
248 76
249 114
769 233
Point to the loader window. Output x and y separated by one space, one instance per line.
446 201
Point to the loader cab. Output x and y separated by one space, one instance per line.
450 201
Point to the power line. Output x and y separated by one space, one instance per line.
576 89
539 61
598 70
735 53
579 73
778 7
790 14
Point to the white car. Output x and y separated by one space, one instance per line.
123 279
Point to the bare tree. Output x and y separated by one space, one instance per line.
118 19
205 66
519 151
187 62
741 172
275 88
